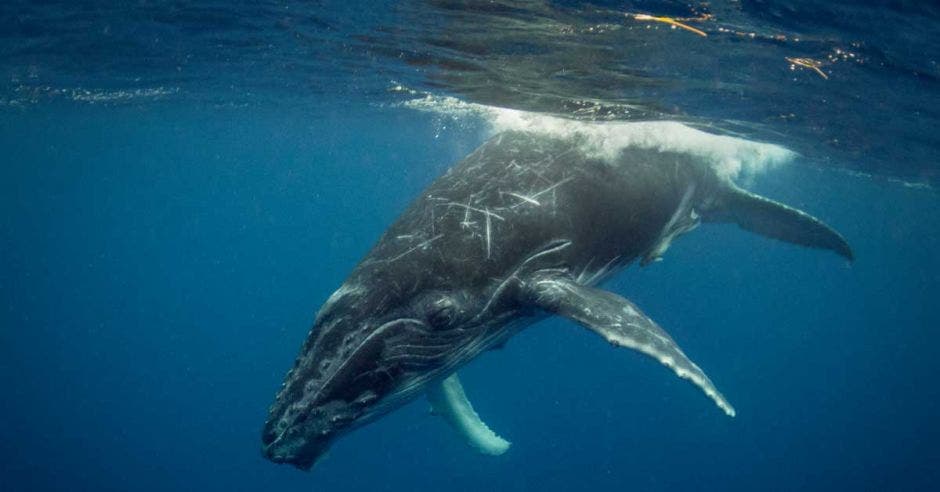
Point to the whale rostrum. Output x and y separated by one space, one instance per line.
525 227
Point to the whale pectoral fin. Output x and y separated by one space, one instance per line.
769 218
450 402
619 322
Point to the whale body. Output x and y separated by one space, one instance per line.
523 228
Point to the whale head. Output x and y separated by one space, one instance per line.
373 347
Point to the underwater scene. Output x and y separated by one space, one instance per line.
473 245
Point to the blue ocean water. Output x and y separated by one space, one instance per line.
161 260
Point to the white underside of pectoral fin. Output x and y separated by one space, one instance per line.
683 220
450 402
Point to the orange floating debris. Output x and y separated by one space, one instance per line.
670 21
808 63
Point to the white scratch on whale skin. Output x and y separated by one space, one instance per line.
480 210
523 198
488 237
552 187
423 244
466 216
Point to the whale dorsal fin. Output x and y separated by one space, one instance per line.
619 322
769 218
450 402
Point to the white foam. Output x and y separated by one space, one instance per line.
26 95
730 156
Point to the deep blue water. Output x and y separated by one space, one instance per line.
161 262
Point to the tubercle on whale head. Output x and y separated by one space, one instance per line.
367 353
310 433
335 380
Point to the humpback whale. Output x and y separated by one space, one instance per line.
525 227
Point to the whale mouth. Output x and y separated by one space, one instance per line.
309 434
294 448
303 461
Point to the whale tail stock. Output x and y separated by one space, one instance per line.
773 219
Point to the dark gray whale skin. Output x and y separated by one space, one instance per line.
520 229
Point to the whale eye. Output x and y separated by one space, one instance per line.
442 312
